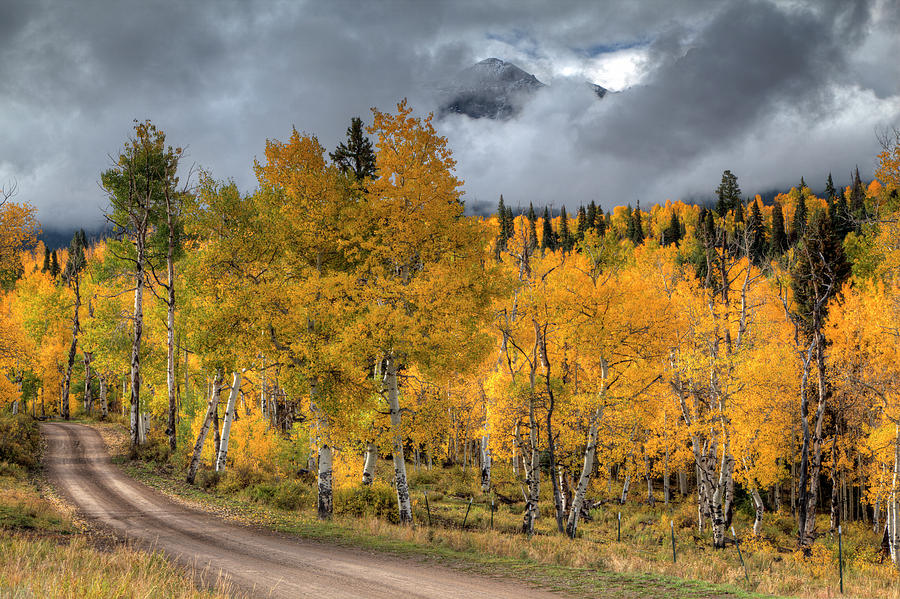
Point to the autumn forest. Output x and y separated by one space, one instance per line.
737 356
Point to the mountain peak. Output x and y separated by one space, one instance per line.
491 88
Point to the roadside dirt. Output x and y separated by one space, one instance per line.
263 564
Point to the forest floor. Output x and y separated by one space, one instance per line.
358 556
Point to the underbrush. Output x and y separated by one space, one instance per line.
20 441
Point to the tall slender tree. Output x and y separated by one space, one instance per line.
778 241
136 186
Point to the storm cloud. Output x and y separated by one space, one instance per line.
771 90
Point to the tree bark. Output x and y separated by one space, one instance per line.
390 383
72 346
104 404
137 333
211 409
369 464
230 408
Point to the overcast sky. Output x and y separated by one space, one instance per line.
771 90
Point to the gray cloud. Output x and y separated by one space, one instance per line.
770 90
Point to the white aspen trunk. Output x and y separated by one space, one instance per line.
88 395
325 495
485 463
171 429
226 424
515 453
369 464
390 383
893 506
584 480
759 510
104 404
136 343
666 474
533 482
262 388
625 487
211 408
75 329
682 483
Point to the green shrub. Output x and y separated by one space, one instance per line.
377 499
287 495
208 479
241 477
20 441
155 449
422 478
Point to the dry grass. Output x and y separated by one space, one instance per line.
45 553
38 567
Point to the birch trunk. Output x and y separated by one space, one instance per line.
325 495
211 409
584 480
171 429
71 361
532 475
759 510
136 341
230 407
88 394
390 383
485 463
369 464
893 505
104 404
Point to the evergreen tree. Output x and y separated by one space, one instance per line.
46 265
581 224
778 242
532 228
548 237
600 223
841 219
357 155
739 213
672 233
820 270
756 236
54 265
800 217
830 191
566 241
857 198
591 216
503 233
629 222
729 194
802 183
637 230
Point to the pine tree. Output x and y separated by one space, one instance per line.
503 233
637 228
857 198
591 216
802 183
532 228
800 217
673 231
46 265
729 194
600 223
739 213
841 219
830 191
566 241
548 237
357 155
581 224
756 236
54 265
778 242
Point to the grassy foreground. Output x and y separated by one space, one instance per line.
44 552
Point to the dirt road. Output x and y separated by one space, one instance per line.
265 564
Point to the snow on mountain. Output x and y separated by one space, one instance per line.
493 89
